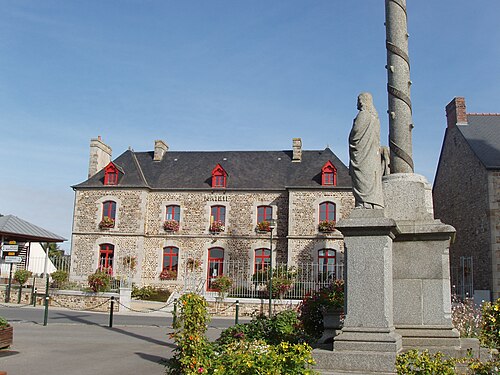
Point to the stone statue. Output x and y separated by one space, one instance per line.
365 159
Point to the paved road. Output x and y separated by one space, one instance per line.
81 343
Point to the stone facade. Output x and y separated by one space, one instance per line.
466 193
138 231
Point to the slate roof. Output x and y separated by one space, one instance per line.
15 228
246 170
483 135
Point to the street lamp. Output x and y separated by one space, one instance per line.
272 225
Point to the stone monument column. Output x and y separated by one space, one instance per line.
421 275
398 87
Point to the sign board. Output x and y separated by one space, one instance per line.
10 248
13 259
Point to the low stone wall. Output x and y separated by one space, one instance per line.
248 307
70 299
83 300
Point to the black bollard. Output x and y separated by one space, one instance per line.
111 311
237 312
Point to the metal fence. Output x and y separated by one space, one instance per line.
287 282
37 265
462 278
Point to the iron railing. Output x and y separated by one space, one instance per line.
289 282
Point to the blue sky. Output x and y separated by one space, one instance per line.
217 75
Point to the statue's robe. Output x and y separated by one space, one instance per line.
365 160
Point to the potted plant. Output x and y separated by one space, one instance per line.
171 225
21 276
222 285
129 262
100 280
326 226
281 285
107 222
263 226
167 274
193 264
217 226
323 310
6 333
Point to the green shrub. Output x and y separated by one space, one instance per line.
59 278
193 354
99 281
423 363
150 293
312 307
282 327
257 357
478 367
490 325
21 276
3 322
235 355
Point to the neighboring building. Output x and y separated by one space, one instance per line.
176 211
467 195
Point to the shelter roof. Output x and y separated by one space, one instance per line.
18 229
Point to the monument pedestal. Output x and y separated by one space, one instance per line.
421 271
368 343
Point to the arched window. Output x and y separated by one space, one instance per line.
264 213
327 211
219 177
327 260
215 264
262 260
173 212
106 254
109 210
170 258
328 174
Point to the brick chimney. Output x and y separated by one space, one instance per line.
100 155
160 149
297 150
456 112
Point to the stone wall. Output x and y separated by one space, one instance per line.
139 232
461 199
494 215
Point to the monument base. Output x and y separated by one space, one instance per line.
421 270
368 343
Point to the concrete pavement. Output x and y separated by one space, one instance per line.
81 347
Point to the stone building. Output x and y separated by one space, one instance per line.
467 195
145 213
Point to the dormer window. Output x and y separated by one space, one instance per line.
110 175
328 174
219 176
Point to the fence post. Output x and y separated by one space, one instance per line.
111 311
174 318
19 294
237 312
46 314
33 297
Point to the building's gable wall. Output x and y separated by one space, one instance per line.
461 199
494 216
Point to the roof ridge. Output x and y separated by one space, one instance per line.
139 168
484 114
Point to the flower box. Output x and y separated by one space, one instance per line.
217 227
171 225
6 336
107 223
263 227
326 226
168 275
